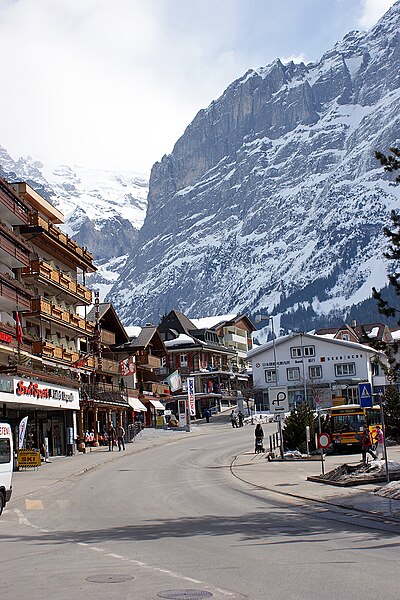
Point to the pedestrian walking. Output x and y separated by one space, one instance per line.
366 444
120 438
233 418
111 437
241 418
259 435
207 415
379 448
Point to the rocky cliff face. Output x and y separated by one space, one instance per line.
272 199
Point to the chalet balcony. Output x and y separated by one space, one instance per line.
45 273
13 294
157 389
54 351
107 337
14 252
44 308
108 366
102 393
53 236
12 208
147 360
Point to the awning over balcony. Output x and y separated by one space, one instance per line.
136 405
157 404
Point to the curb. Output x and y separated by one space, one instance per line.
377 516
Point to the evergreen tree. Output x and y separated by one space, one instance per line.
392 411
294 432
391 163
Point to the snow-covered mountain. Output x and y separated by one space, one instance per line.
103 210
272 200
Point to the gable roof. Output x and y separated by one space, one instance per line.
109 320
176 320
309 337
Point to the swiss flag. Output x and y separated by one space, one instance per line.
18 329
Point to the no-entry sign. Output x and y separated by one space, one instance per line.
324 440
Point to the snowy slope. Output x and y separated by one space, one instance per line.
272 200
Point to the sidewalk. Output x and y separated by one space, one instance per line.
289 477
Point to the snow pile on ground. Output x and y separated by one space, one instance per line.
353 474
294 454
391 490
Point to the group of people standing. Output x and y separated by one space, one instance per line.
115 435
367 443
237 419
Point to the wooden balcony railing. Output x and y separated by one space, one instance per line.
43 306
37 221
13 293
110 366
51 350
39 269
144 359
155 388
107 337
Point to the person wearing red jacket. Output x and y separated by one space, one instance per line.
366 445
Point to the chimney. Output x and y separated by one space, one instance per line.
354 323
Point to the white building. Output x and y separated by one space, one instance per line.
322 370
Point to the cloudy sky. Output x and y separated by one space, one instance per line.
113 84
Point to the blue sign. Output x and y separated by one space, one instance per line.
298 399
365 392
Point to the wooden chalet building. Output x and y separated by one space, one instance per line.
147 352
199 353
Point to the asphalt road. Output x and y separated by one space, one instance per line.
174 522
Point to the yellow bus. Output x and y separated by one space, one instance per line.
347 423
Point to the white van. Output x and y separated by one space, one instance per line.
6 464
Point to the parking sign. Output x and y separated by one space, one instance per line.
278 400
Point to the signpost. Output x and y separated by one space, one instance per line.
323 442
365 392
279 404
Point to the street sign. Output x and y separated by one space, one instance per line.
324 440
278 400
365 392
298 398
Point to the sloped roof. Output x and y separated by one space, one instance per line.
109 320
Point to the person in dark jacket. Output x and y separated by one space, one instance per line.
111 437
259 436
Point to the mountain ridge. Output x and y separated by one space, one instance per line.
272 197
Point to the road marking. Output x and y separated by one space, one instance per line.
33 504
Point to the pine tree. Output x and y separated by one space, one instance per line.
294 432
391 163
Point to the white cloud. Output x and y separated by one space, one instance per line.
296 58
114 84
372 11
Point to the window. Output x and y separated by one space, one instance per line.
5 451
345 369
293 374
345 337
309 350
295 352
315 372
183 359
270 376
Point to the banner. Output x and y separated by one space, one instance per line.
191 396
128 366
21 432
174 381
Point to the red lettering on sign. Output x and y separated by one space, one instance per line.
31 390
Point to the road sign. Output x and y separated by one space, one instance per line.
278 400
365 392
298 398
324 441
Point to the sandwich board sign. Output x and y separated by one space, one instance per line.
365 392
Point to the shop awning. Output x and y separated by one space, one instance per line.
157 404
136 404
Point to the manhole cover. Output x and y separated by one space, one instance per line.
109 578
184 594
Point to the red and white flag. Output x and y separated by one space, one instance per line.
18 329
